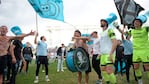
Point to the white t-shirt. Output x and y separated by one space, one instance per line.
96 45
105 41
63 50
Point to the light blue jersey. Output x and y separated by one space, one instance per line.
128 47
42 49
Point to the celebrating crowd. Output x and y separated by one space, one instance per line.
108 53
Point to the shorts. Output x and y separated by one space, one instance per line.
105 60
3 62
89 67
42 60
140 56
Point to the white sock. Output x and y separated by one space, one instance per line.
47 76
37 77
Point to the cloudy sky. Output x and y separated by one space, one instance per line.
76 12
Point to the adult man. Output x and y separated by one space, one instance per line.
4 45
96 55
42 53
128 54
108 44
16 54
61 52
81 42
119 57
141 48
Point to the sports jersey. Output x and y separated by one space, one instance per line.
105 41
42 49
140 45
140 38
128 47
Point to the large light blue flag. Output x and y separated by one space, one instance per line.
52 9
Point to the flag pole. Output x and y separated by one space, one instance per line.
36 22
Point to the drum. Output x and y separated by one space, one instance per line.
77 60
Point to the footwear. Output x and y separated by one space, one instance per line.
99 81
57 70
36 81
140 81
62 70
47 79
128 82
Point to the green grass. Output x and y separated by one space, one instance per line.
66 77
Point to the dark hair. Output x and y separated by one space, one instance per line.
104 21
41 37
94 32
78 32
137 20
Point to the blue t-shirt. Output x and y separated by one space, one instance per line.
128 47
42 49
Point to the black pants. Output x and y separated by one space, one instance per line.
128 60
96 66
7 68
117 61
42 60
27 64
14 67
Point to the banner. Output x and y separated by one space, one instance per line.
51 9
128 10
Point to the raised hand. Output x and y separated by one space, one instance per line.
32 32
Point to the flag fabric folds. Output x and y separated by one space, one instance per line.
51 9
128 10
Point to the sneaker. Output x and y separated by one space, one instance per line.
47 79
62 70
128 82
36 81
57 70
99 81
140 81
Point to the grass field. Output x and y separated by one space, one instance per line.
66 77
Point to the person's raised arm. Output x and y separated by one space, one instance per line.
22 35
115 24
35 40
81 38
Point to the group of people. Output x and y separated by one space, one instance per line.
104 52
12 53
11 48
107 52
